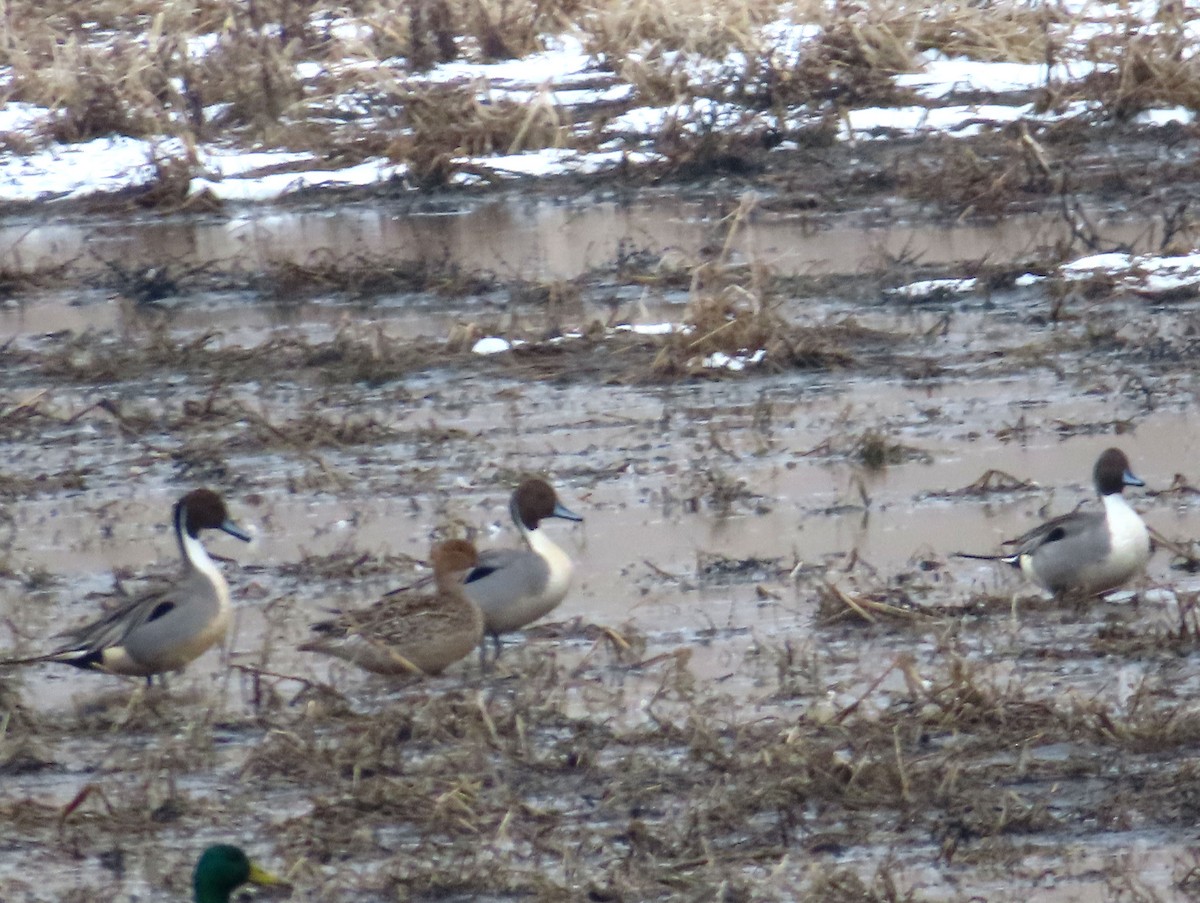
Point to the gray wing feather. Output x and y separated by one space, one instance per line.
114 627
1080 531
503 575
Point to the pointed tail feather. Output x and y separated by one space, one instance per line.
15 662
79 658
1014 560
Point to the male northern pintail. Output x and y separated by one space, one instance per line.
163 630
1087 552
515 587
409 632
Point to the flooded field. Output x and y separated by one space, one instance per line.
771 679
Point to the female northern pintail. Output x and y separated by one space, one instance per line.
1087 552
164 630
514 587
407 632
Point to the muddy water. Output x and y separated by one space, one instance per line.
542 239
800 509
658 557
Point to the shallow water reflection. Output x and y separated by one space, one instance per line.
543 239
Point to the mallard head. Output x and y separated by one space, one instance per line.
223 868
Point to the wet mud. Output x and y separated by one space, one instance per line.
771 679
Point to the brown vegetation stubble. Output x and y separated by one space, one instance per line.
135 75
691 796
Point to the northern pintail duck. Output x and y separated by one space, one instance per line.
1088 552
221 870
515 587
409 632
167 629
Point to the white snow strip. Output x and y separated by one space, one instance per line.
222 163
650 328
958 119
494 345
556 161
788 40
19 117
199 46
1111 262
943 76
702 112
696 69
1151 275
934 288
112 164
735 362
569 97
547 161
101 165
276 185
308 70
1176 115
564 61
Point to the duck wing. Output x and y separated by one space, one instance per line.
504 575
1078 527
84 646
112 629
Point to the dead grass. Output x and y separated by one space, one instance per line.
991 482
348 565
346 83
714 326
20 486
95 90
17 279
1146 67
699 142
250 74
354 355
875 451
365 276
138 75
447 122
850 61
149 283
733 315
853 60
690 798
980 178
1008 34
703 27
